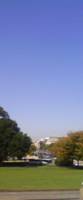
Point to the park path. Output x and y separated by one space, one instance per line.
41 195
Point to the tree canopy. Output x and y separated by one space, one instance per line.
68 148
13 142
3 113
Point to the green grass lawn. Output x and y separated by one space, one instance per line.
47 177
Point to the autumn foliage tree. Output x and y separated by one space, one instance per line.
68 148
63 151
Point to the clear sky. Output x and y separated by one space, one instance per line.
41 64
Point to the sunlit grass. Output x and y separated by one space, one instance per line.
48 177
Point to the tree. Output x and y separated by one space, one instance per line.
13 143
69 148
63 151
8 129
77 145
52 148
3 113
19 146
32 149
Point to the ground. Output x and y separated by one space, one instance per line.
36 178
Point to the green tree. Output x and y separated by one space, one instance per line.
20 145
77 145
3 113
8 129
12 142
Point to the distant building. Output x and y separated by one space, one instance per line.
50 140
46 140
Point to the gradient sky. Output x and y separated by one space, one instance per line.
41 64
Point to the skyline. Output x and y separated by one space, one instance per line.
41 65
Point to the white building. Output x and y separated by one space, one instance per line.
46 140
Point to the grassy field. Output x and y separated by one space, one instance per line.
47 177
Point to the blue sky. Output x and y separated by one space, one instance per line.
41 64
